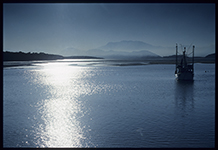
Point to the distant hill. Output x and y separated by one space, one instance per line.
144 53
71 51
211 56
180 56
82 57
21 56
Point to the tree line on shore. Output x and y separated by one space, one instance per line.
21 56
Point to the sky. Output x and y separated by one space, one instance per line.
53 27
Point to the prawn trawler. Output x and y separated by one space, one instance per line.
184 70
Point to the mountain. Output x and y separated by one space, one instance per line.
119 54
126 46
115 49
127 49
144 53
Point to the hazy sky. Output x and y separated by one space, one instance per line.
53 27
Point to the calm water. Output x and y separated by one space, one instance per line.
89 104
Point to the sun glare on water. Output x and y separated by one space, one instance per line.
61 109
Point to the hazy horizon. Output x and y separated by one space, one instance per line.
53 28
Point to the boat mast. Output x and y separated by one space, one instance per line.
176 55
184 58
193 58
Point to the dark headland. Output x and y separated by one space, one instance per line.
11 59
21 56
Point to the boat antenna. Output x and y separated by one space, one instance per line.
176 54
193 57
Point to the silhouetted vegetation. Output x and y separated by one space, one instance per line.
211 56
21 56
207 59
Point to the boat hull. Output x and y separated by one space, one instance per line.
185 76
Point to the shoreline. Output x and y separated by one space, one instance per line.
114 62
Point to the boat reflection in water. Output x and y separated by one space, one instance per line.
184 96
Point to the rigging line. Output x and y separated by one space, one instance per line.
181 47
190 53
189 46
